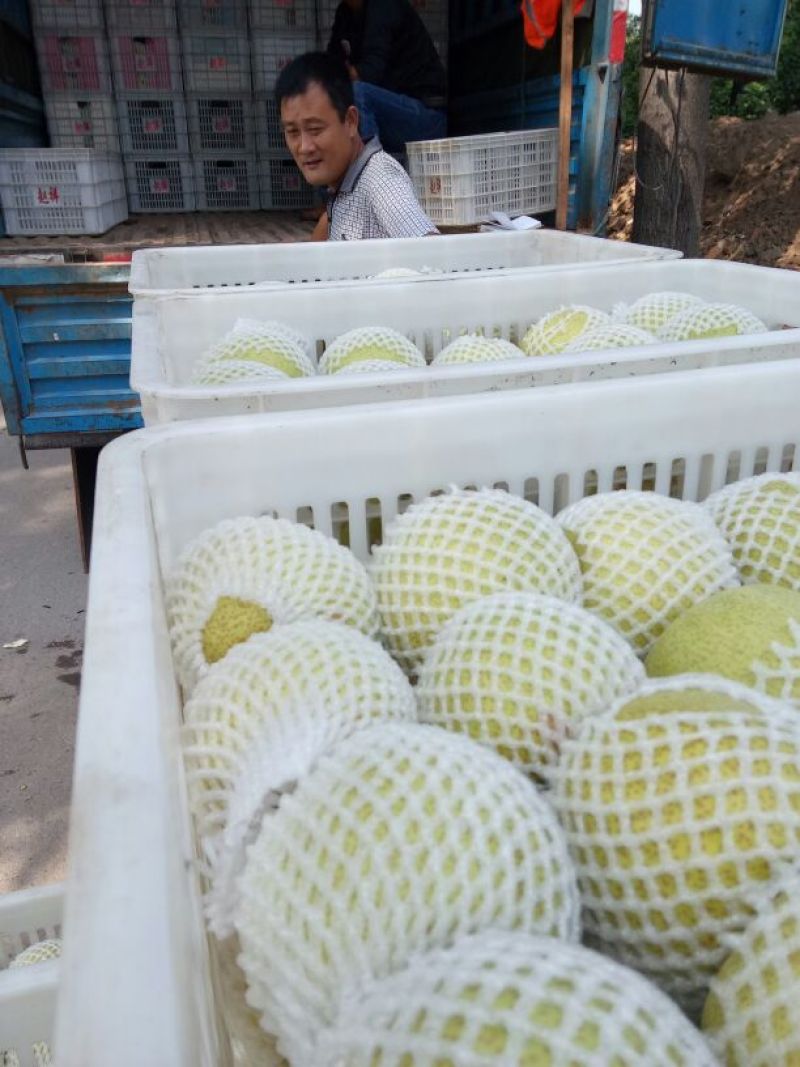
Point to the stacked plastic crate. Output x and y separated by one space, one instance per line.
78 186
434 14
280 31
219 100
76 83
148 84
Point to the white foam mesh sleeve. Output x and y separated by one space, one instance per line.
274 343
760 519
673 822
654 310
259 721
711 320
751 1015
645 559
612 335
402 839
517 671
292 571
451 549
472 348
553 332
38 953
370 343
510 1000
227 371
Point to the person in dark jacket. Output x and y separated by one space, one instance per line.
398 78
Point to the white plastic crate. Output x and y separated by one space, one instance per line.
73 64
67 16
73 122
274 51
226 183
282 16
216 63
53 190
146 64
170 335
141 16
28 995
161 271
282 186
222 124
460 180
269 134
153 126
200 16
131 842
160 184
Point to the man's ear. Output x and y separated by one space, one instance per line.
351 119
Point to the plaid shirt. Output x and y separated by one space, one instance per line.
376 199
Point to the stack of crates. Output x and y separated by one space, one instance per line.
219 101
148 82
280 31
434 15
75 73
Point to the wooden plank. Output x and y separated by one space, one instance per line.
169 231
565 111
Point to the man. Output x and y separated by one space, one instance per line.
370 195
399 80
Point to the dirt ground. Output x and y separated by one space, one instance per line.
751 210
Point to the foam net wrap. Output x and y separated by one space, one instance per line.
289 570
760 519
38 953
613 335
401 840
675 820
260 720
472 348
228 371
512 1000
751 1015
517 671
710 320
451 549
645 559
269 344
370 343
655 310
554 331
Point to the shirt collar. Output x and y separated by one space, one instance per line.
353 172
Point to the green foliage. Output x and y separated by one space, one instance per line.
750 100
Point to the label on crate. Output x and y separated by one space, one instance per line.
290 181
152 124
221 123
226 183
82 126
159 186
211 5
70 59
46 194
435 186
217 62
284 3
144 59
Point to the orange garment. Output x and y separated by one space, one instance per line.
540 18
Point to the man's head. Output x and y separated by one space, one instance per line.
319 119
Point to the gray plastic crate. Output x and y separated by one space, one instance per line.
222 16
74 122
282 185
153 125
160 184
281 16
141 16
216 63
227 183
222 124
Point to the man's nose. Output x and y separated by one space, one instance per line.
306 142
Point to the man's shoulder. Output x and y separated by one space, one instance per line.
383 165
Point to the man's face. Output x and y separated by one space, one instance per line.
322 145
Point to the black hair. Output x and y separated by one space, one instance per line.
329 72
